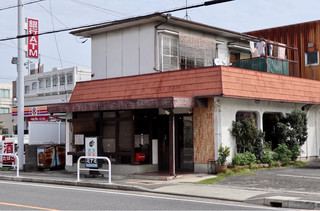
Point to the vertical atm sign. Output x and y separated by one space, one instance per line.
33 41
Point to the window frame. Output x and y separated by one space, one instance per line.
306 54
34 85
27 89
42 82
62 80
6 93
172 36
48 85
69 82
55 81
4 110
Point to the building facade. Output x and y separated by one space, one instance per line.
304 36
165 87
6 119
43 88
5 98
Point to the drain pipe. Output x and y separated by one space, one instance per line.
217 126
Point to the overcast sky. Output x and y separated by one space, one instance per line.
237 15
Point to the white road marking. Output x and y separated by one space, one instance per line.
297 176
126 194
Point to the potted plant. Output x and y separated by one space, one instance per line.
224 152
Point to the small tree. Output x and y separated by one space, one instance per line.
293 132
248 137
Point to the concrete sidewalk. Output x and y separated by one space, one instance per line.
179 185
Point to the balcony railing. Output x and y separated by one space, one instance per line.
272 64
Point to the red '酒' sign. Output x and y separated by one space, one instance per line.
7 149
33 41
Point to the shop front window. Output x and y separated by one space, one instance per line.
109 137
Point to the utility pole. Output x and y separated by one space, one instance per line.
20 84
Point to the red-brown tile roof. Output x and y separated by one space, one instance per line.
242 83
185 84
211 81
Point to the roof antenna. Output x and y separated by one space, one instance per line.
187 17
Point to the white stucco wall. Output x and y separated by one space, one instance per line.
132 51
225 113
311 147
123 52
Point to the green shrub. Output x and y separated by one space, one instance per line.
292 130
268 156
248 137
241 159
283 154
295 150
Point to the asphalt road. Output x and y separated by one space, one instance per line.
31 196
302 179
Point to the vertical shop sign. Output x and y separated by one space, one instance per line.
33 41
91 148
7 147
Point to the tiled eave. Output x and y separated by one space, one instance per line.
183 88
170 102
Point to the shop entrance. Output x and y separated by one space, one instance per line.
163 143
270 121
183 143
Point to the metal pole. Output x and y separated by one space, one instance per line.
20 84
172 161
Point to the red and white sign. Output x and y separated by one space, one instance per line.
7 147
38 118
33 41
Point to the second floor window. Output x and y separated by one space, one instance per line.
169 46
41 83
4 93
55 81
48 82
62 80
70 79
4 110
34 85
26 89
312 58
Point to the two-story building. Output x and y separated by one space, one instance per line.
6 120
170 88
41 89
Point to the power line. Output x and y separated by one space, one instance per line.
55 37
52 15
207 3
46 56
101 9
14 6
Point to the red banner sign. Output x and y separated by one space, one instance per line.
8 147
38 118
33 41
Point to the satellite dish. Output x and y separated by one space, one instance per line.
217 62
